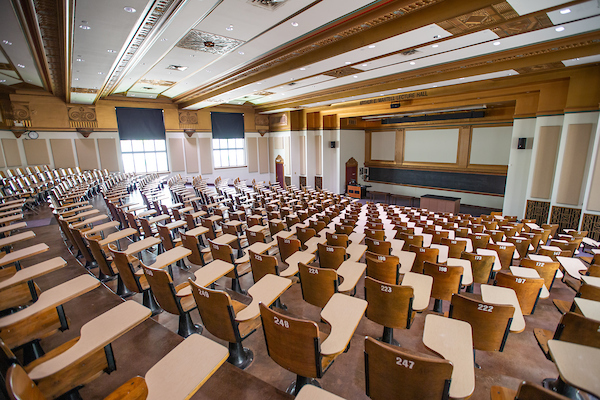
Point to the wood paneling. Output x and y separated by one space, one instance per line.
302 182
591 223
36 152
62 153
109 157
176 154
574 163
545 162
565 217
252 151
263 155
86 154
11 152
538 210
191 155
206 162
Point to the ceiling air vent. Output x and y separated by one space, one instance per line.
292 83
177 67
409 52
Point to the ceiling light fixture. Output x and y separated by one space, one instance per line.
20 66
372 46
79 59
412 63
436 36
2 80
565 11
259 83
559 28
434 85
302 69
6 42
348 62
230 27
294 23
355 76
164 39
461 78
100 73
111 51
434 46
76 79
84 27
496 43
364 65
241 53
129 9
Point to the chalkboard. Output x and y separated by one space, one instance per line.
480 183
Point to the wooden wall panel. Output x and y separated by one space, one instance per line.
11 152
176 154
302 154
109 156
574 163
62 153
545 162
36 152
594 197
206 163
86 154
538 210
191 155
318 155
565 217
252 151
591 223
263 155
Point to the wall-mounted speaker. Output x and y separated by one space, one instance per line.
332 145
522 144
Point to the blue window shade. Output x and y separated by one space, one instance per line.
227 125
140 123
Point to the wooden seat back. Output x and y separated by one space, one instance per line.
275 227
378 246
80 244
423 254
211 234
191 243
331 256
404 229
262 264
190 221
509 230
568 247
384 268
438 236
100 256
594 270
222 252
163 289
576 328
481 266
479 240
20 386
455 247
292 343
132 222
410 240
338 239
254 220
553 228
589 292
546 270
318 226
521 244
146 228
496 236
490 225
388 304
490 322
375 234
255 237
317 284
374 225
505 253
391 370
527 289
553 253
303 234
125 268
165 237
345 229
462 232
446 279
216 311
532 391
287 247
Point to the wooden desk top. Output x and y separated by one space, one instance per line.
198 214
88 221
21 254
502 295
343 313
577 365
258 247
537 257
356 251
179 374
71 205
551 248
4 213
589 308
160 218
311 392
176 224
523 272
101 228
118 235
311 243
176 205
82 215
11 218
12 227
572 266
357 238
128 205
351 271
95 334
75 210
209 274
7 241
33 272
169 257
467 277
234 223
136 208
200 230
140 245
591 280
266 291
421 285
146 213
53 297
185 210
292 261
225 239
453 340
257 228
214 218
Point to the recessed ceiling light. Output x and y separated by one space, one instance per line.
565 11
412 63
434 46
76 79
241 53
84 27
230 27
348 62
355 76
302 69
559 28
364 65
2 80
461 78
111 51
259 83
164 39
129 9
207 70
100 73
436 37
20 66
79 59
294 23
577 59
496 43
28 80
372 46
6 42
434 85
192 55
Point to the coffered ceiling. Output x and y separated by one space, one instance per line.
283 54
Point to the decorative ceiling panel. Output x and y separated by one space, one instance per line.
341 72
156 82
270 5
541 67
208 42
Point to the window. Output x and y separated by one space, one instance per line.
229 153
144 156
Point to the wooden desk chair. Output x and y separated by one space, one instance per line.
490 322
527 391
553 228
389 305
496 236
275 227
262 264
438 236
254 220
446 282
165 293
455 247
77 235
218 312
527 289
291 220
317 284
490 225
462 232
546 270
255 237
509 230
165 236
232 230
477 228
568 247
193 244
344 229
107 268
384 268
147 230
410 240
133 222
481 267
331 256
574 328
554 254
423 254
404 229
586 291
338 239
505 253
378 246
134 282
318 226
225 253
374 225
212 232
521 244
287 247
375 234
295 344
304 234
391 370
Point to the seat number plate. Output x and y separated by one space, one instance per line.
405 363
386 289
282 322
484 307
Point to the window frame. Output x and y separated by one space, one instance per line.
216 151
133 150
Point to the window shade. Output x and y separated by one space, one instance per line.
140 123
227 125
